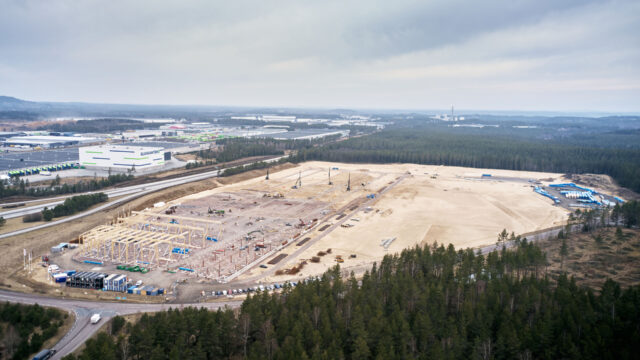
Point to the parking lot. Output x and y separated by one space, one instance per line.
19 160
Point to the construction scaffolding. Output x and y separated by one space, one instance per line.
213 236
144 238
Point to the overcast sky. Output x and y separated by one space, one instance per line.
496 55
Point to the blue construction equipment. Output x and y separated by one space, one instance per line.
573 186
178 250
93 262
540 191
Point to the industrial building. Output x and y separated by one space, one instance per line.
122 157
47 142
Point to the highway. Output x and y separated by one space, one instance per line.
125 193
82 328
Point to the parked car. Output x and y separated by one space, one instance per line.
263 266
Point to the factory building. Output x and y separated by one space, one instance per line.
122 157
46 142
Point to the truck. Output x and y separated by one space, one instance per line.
95 318
44 354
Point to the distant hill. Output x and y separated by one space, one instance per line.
10 100
11 103
14 108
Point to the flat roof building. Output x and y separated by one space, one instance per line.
122 157
47 141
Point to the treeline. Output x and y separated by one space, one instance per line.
438 146
73 205
628 213
23 188
238 150
253 166
588 220
98 126
197 164
428 302
26 327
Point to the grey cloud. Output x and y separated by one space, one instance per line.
401 53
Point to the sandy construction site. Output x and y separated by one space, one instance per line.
297 224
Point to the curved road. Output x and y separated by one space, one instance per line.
82 328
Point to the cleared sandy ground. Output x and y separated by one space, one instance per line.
415 204
429 204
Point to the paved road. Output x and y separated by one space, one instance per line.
127 193
82 328
532 237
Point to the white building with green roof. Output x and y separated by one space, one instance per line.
121 157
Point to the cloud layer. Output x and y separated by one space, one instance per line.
527 55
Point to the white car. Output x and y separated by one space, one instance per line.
95 318
139 282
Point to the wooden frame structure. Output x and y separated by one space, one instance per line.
144 239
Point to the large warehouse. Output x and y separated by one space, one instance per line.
47 142
122 157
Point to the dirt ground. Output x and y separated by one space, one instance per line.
17 224
429 204
389 208
404 204
185 157
40 241
591 262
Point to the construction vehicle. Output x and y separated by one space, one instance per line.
298 183
339 259
44 354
